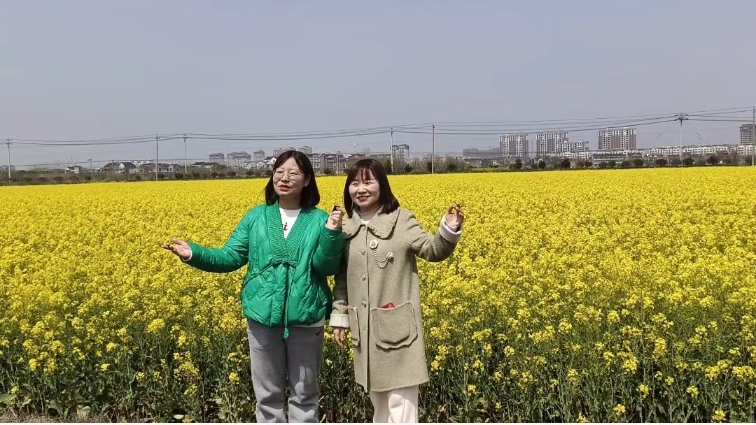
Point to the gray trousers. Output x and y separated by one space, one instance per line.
271 357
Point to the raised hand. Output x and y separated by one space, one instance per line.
180 248
335 219
454 216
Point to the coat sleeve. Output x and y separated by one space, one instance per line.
327 258
233 255
339 315
428 246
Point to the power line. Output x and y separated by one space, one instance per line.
373 130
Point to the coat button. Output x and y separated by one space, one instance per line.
362 252
364 277
364 304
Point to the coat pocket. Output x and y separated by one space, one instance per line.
354 325
394 327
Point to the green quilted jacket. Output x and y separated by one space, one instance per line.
286 281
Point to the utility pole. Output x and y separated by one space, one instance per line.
681 118
157 148
338 158
391 150
91 178
7 142
753 136
433 151
185 163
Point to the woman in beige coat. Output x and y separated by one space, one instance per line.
377 294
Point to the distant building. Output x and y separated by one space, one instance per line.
317 162
239 156
121 167
217 158
307 150
574 147
334 162
475 153
513 145
617 139
701 150
548 141
278 151
400 152
746 134
259 155
618 156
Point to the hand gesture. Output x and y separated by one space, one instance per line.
180 248
335 219
339 334
454 216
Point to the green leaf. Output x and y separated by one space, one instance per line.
7 399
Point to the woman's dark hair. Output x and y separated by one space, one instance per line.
310 193
386 198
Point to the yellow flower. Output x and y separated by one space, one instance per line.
643 389
573 375
619 410
718 416
471 389
33 365
692 391
233 377
104 367
156 326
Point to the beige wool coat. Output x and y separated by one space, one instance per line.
380 268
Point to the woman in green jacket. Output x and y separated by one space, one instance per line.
290 247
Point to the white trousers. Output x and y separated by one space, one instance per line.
395 406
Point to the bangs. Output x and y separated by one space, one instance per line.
362 171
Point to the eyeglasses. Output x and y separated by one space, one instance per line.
293 175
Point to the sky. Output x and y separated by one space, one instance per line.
74 69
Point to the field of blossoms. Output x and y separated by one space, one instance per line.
602 296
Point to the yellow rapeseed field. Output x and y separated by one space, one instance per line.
624 295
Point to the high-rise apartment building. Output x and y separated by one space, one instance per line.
307 150
548 141
259 155
617 139
746 134
278 151
239 156
217 158
514 145
400 152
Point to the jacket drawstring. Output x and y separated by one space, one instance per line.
287 265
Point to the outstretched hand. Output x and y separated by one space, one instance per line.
454 216
180 248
